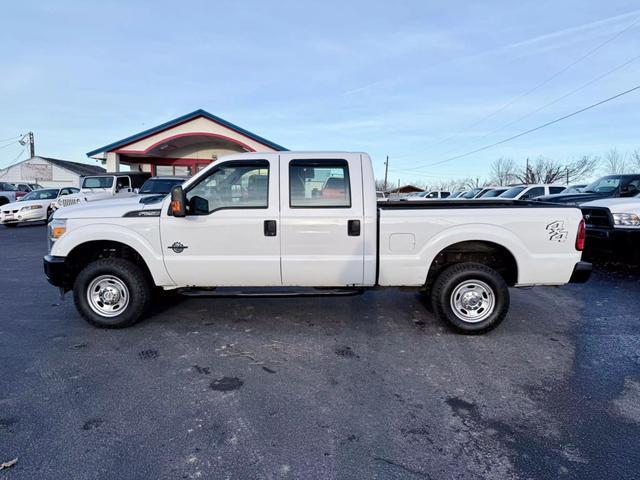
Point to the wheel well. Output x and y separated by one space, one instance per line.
488 253
88 252
4 200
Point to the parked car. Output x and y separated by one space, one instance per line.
8 193
493 193
26 187
160 185
577 188
211 233
456 194
104 186
381 196
610 186
527 192
613 227
473 193
35 206
428 195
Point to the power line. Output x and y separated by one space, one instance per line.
13 162
12 138
531 130
553 102
8 145
538 86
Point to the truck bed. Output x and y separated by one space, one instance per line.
452 204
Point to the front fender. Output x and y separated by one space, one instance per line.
118 233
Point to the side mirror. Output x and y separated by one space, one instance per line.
177 207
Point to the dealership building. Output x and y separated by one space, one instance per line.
181 146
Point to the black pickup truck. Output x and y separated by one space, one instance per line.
610 186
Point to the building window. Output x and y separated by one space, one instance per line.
319 183
173 170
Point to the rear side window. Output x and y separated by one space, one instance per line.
319 183
533 193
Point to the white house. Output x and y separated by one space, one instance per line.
48 172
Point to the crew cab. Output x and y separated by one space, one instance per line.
613 227
253 222
104 186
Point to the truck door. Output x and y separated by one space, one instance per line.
230 236
322 220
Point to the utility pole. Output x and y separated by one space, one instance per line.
527 176
386 171
32 143
567 169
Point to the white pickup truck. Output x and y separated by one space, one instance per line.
299 220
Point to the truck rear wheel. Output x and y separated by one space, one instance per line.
471 297
112 293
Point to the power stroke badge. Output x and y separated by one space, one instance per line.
557 232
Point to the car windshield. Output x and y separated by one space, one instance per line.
7 187
471 193
160 185
97 182
49 194
492 193
603 185
512 192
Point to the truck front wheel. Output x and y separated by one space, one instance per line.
471 297
112 293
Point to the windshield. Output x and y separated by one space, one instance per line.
160 186
49 194
97 182
512 192
471 193
493 193
603 185
7 187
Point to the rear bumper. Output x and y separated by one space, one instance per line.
55 269
581 272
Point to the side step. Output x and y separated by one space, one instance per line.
260 292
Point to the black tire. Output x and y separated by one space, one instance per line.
465 274
133 277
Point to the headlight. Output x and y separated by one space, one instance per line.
56 228
31 207
626 220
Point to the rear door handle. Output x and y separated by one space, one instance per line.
353 228
270 229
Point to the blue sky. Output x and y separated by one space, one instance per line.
408 79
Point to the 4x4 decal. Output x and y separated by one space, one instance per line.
557 232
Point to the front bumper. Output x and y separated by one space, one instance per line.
581 272
20 217
55 269
620 242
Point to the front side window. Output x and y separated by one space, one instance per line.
97 182
319 183
123 183
243 184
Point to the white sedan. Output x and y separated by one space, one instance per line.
33 207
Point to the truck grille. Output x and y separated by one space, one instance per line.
597 217
66 202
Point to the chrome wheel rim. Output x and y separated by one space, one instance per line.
473 301
108 296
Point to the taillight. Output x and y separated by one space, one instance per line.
581 236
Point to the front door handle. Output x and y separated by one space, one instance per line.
270 229
353 228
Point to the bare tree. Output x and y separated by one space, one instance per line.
615 163
635 159
503 171
582 168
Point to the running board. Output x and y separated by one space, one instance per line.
270 292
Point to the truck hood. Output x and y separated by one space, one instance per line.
572 198
111 208
617 205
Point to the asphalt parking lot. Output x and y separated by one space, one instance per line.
370 386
